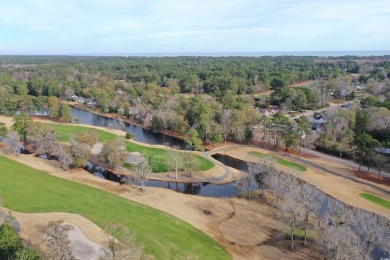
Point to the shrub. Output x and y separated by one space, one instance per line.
130 135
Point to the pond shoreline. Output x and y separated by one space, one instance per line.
125 120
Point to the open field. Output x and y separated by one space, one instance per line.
156 156
376 200
285 163
25 189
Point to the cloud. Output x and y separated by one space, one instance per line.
192 25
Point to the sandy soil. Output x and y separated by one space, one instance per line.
214 172
343 189
244 228
86 238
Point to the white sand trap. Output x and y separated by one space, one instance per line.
83 248
135 158
97 148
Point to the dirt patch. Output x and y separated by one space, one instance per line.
243 234
97 148
344 186
269 146
86 238
372 177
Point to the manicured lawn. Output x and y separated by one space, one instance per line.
25 189
156 156
376 200
280 161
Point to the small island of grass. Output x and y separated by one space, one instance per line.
376 200
156 156
285 163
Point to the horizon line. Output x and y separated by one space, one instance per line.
215 54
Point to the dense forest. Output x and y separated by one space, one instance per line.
219 97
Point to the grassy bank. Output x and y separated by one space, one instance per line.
156 156
285 163
25 189
376 200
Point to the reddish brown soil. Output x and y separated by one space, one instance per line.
269 146
174 134
210 146
369 176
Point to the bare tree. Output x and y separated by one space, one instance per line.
280 184
57 241
310 199
80 153
290 209
46 142
88 138
121 244
371 229
13 144
226 122
121 124
339 242
264 167
189 164
244 183
65 159
114 152
175 159
380 162
142 171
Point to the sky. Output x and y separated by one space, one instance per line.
188 26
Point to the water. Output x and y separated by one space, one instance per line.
231 162
141 135
204 189
200 188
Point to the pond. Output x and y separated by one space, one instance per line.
205 189
201 189
141 135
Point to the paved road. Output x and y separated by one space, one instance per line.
342 161
227 169
357 180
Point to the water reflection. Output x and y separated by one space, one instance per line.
200 188
141 135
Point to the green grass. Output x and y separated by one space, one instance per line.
156 156
65 131
25 189
376 200
285 163
311 234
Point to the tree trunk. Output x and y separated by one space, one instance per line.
292 240
306 224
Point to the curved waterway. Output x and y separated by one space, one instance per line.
141 135
201 189
205 189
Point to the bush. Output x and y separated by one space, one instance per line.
130 135
334 151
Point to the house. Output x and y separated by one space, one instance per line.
271 111
383 151
317 122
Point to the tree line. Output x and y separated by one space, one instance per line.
343 232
